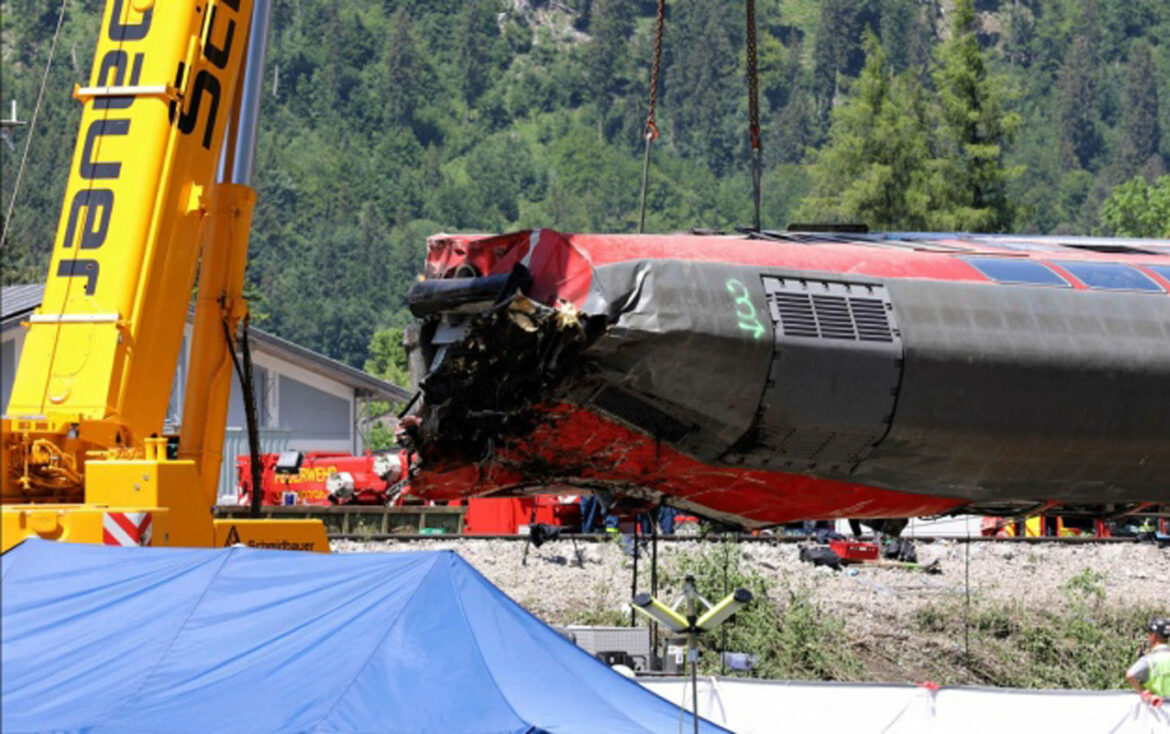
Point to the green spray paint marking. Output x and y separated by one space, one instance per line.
748 320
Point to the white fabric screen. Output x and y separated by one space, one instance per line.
751 706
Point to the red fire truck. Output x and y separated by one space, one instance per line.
378 478
326 478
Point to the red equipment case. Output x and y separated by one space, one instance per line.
852 551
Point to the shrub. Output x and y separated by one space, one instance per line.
791 635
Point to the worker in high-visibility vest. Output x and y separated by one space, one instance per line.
1150 675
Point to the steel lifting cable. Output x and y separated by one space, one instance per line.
651 132
754 110
32 125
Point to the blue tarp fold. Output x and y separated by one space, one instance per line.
104 639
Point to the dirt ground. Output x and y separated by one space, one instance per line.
878 604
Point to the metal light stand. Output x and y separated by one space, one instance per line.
691 594
706 618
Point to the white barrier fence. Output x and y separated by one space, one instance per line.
749 706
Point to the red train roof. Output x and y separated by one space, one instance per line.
568 258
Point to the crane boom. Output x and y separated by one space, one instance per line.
127 243
143 211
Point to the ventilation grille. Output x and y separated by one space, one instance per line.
873 323
828 315
796 317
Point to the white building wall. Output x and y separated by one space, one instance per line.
278 373
337 409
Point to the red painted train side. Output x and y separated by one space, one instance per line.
775 377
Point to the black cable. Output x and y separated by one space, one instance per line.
247 386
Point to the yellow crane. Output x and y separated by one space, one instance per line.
157 192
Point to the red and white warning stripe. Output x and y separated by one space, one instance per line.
126 528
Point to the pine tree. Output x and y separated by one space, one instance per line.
873 170
1021 33
703 86
898 28
612 25
477 37
1140 133
971 178
827 58
923 38
792 128
1088 25
332 71
1077 105
838 51
402 72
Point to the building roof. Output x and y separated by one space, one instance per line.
18 301
374 387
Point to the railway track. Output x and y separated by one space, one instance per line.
414 523
724 537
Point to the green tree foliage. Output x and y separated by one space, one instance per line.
388 357
388 361
703 82
477 44
906 33
873 169
1077 105
404 70
612 24
384 123
974 132
838 50
793 635
1141 136
1137 208
898 157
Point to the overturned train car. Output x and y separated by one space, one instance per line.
770 377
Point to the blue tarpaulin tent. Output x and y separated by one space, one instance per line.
105 639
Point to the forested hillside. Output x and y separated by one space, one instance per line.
385 121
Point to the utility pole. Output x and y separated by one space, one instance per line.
8 126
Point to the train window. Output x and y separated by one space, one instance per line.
1111 276
1163 270
1016 270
